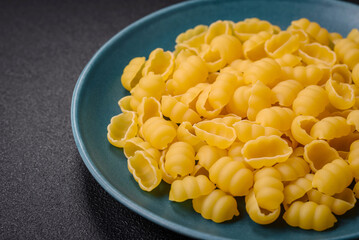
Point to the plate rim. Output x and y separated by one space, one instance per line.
79 86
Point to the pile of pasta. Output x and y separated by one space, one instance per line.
247 110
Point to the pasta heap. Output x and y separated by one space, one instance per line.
247 110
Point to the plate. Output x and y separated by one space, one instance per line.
99 88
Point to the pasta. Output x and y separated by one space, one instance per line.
266 151
190 187
246 111
333 177
268 188
207 206
179 159
309 215
231 176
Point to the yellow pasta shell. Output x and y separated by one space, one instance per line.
149 107
253 48
280 44
159 63
215 134
247 130
259 99
333 177
190 187
276 117
186 133
231 176
251 26
216 29
331 127
121 128
309 215
257 214
132 73
286 91
318 153
125 104
311 101
203 107
289 60
315 53
266 151
135 144
265 70
293 168
177 111
179 159
340 73
207 155
313 29
239 101
159 132
217 206
341 95
297 189
301 126
347 52
229 47
353 119
339 203
268 188
144 170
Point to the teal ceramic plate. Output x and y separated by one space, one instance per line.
99 88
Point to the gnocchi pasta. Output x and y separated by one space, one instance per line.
247 110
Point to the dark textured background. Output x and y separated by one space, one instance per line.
46 191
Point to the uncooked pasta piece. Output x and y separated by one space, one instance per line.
122 128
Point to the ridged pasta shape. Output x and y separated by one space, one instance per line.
306 75
313 29
247 130
311 101
125 104
121 128
239 101
159 132
318 153
281 43
341 95
253 48
266 151
216 206
353 119
132 73
292 169
135 144
222 90
215 134
159 63
301 127
216 29
228 119
265 70
179 160
186 133
231 176
257 214
149 86
347 52
343 143
148 108
190 97
289 60
340 73
268 188
317 54
353 158
177 111
144 170
191 33
297 189
190 187
309 215
259 99
251 26
189 74
228 46
300 33
339 203
333 178
286 91
331 127
213 59
165 175
199 170
207 155
276 117
203 107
